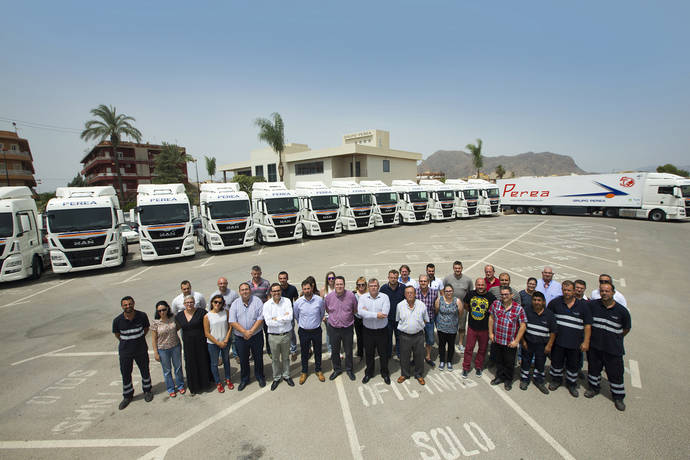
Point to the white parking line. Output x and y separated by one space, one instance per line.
131 278
509 243
553 263
561 240
530 421
16 302
206 262
349 423
50 353
635 379
620 263
76 443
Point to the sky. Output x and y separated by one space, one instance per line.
605 82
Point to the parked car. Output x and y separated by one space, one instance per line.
131 235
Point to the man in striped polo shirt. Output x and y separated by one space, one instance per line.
610 323
537 342
573 330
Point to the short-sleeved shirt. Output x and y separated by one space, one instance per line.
539 327
177 304
525 300
290 292
230 296
506 322
246 314
479 304
570 322
461 286
607 327
448 316
166 332
429 300
490 284
617 296
132 333
261 290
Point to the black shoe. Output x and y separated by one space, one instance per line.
573 391
591 393
124 403
290 382
387 379
335 375
497 381
148 396
542 387
262 382
366 378
351 375
508 385
620 405
430 362
241 386
523 385
275 384
553 386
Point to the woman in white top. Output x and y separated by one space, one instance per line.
328 287
217 331
361 289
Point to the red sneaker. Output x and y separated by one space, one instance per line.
229 384
220 388
182 391
173 394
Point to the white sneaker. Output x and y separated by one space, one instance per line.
461 349
441 366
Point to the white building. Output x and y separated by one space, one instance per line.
365 155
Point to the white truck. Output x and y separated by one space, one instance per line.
226 217
413 201
654 196
467 197
489 197
441 199
385 203
165 222
84 231
276 212
356 205
21 245
319 208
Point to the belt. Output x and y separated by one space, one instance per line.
278 333
410 335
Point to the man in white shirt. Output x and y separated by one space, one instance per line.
434 283
374 307
405 279
177 305
412 316
278 317
617 296
548 286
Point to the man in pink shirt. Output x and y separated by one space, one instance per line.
341 306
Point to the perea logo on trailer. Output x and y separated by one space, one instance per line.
509 188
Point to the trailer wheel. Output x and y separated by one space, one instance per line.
519 210
657 215
611 212
544 210
36 268
531 210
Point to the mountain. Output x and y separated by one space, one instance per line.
458 164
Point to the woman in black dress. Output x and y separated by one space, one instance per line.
196 360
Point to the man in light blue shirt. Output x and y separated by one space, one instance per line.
548 286
246 319
309 311
374 307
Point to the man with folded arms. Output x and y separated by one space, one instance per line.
373 307
412 317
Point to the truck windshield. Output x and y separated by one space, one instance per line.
445 195
418 196
278 205
386 198
5 224
324 202
470 194
163 213
223 209
74 220
685 189
363 199
492 193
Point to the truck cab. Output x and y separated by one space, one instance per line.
385 203
356 205
319 208
165 222
21 248
461 204
226 217
413 201
275 210
441 199
84 229
664 197
489 197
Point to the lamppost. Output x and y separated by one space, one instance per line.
198 186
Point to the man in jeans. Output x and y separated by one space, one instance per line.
428 297
309 312
507 325
477 304
341 306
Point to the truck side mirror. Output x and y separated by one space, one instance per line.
676 193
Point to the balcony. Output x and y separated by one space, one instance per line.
15 155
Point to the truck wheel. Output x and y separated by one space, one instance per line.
531 210
206 247
519 210
259 237
36 268
657 215
543 210
611 212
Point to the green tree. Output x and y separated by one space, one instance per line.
113 126
168 165
672 169
246 182
78 181
42 200
273 133
477 158
210 166
500 171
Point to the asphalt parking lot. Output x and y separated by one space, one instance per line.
61 383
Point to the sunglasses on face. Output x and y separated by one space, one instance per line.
216 301
361 284
163 311
331 278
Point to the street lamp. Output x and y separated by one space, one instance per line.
198 186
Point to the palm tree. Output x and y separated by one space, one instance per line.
168 164
476 151
500 171
273 134
210 166
113 126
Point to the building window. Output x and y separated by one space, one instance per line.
120 155
358 171
244 172
259 171
14 147
304 169
386 165
272 176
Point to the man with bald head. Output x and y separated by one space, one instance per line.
548 286
477 303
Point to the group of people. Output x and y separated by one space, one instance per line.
547 318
